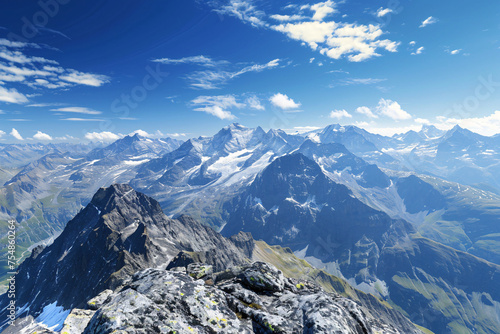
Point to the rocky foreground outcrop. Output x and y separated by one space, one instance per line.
251 299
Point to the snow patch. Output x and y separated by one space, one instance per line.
53 316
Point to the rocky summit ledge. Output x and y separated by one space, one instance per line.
256 298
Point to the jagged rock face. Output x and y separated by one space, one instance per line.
171 302
293 203
118 233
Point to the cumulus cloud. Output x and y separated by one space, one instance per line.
79 110
14 133
338 114
102 136
2 133
217 106
366 111
392 109
428 21
455 52
42 136
12 96
283 102
356 42
321 9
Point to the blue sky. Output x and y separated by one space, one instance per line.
96 70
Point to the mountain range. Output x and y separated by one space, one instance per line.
411 219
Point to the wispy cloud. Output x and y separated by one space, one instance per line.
79 110
381 12
366 111
82 78
217 106
428 21
198 60
214 79
418 51
243 10
38 72
12 96
358 81
76 119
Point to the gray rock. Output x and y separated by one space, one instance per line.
76 321
199 270
96 302
160 301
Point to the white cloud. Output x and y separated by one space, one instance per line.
2 133
418 51
14 133
412 43
102 136
79 110
366 111
19 57
254 103
217 105
42 136
381 12
244 11
283 102
428 21
39 72
287 18
75 119
198 60
213 79
338 114
357 42
487 126
12 44
322 10
88 79
392 109
422 121
360 81
455 52
12 96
